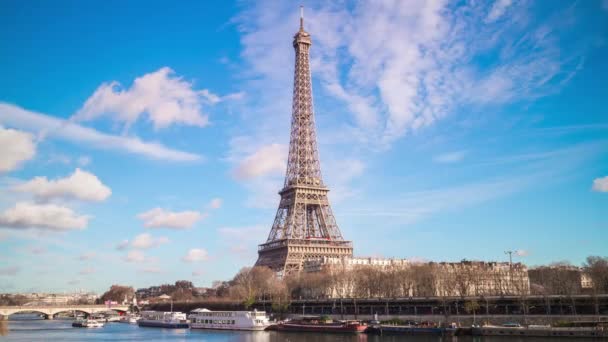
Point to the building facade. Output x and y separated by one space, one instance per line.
383 277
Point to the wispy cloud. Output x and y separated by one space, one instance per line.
161 218
145 241
411 207
450 157
87 271
243 241
196 255
48 126
600 184
87 256
215 203
525 171
392 85
16 147
269 159
9 271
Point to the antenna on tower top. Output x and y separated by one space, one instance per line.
301 17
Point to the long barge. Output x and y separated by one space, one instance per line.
311 324
383 329
542 331
156 319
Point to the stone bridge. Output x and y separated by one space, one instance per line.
51 310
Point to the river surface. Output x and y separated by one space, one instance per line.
62 330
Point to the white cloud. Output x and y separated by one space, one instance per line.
269 159
80 185
215 203
600 184
145 240
16 147
391 85
161 218
151 269
43 216
9 271
135 256
197 273
243 241
411 207
86 256
521 253
37 250
124 244
87 271
451 157
84 160
195 255
49 126
340 175
165 98
497 10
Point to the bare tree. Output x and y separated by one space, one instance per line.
596 268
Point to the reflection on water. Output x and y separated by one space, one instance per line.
61 330
3 328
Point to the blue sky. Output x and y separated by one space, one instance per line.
142 143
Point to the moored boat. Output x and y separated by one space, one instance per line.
229 320
542 331
87 323
413 330
130 318
316 324
159 319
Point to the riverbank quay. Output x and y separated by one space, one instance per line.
532 306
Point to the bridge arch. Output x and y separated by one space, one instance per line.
50 311
6 315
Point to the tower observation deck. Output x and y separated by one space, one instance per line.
304 226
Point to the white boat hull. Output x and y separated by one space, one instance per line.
219 327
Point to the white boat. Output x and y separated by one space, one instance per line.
130 318
228 320
112 318
87 323
159 319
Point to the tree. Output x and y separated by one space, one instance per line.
596 268
118 293
251 284
471 306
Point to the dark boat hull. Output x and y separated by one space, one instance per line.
407 330
164 325
321 328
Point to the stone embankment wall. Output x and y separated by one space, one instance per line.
466 320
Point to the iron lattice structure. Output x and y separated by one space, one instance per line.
304 226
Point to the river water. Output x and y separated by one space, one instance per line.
62 330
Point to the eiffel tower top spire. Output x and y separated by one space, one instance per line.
303 167
301 18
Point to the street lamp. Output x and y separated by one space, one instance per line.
510 257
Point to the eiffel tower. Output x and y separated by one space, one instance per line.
304 226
